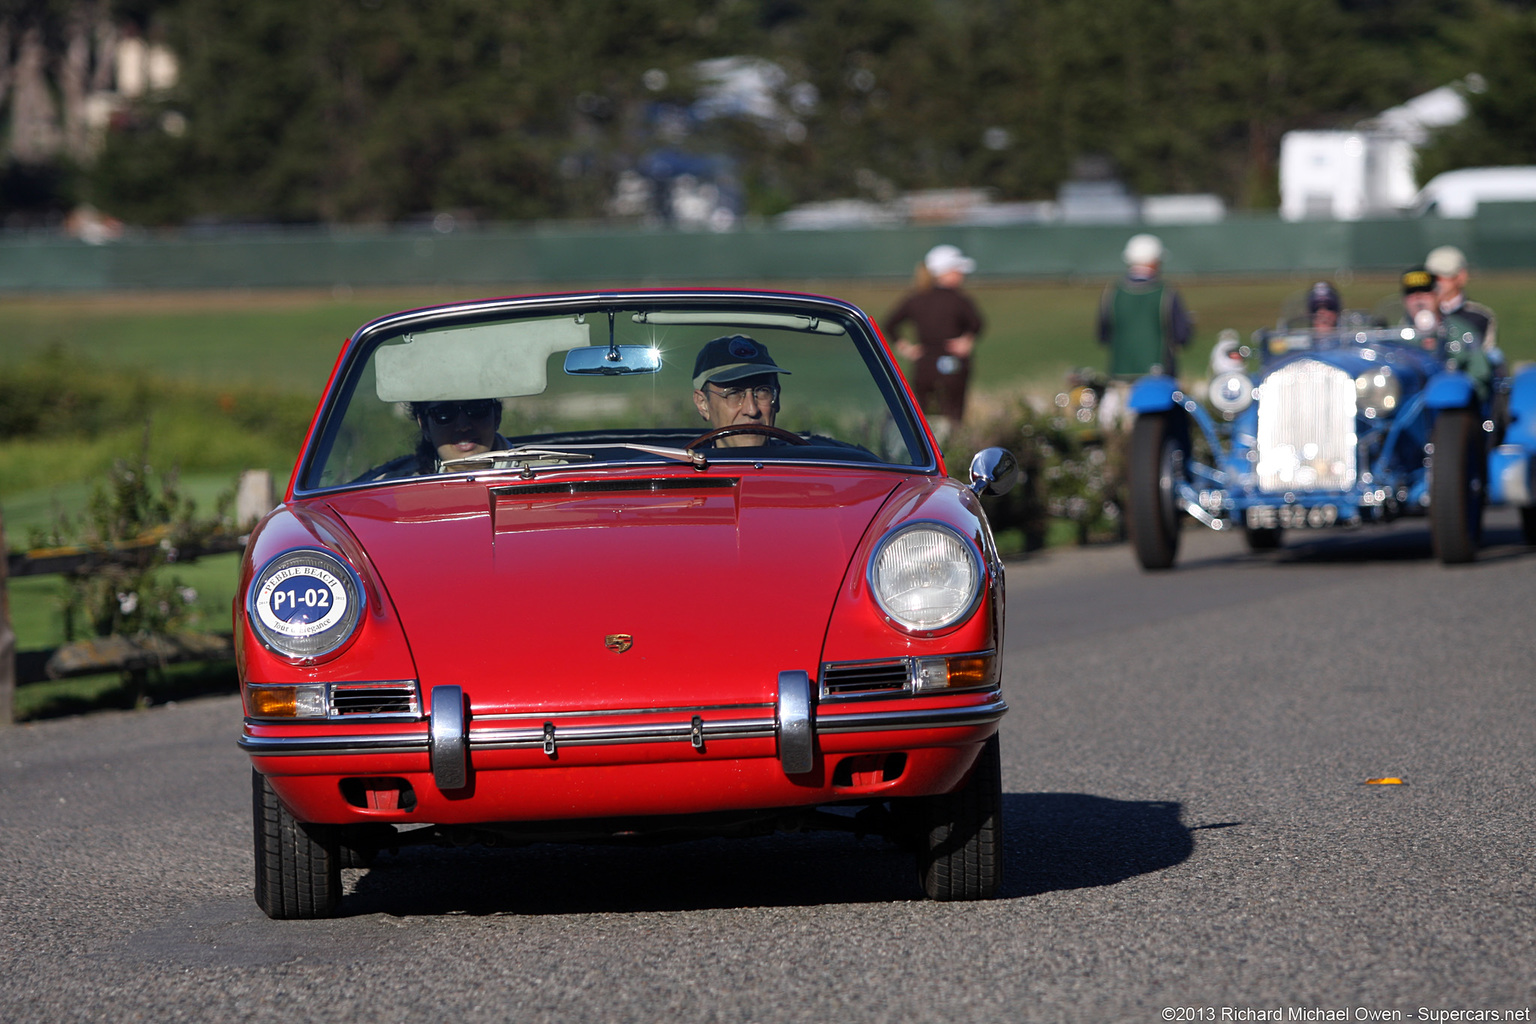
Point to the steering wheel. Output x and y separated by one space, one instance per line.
706 438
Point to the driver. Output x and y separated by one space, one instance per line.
736 384
1324 306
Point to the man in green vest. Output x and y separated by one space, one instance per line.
1142 319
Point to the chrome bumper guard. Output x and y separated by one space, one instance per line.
793 722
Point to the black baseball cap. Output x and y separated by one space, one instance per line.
1417 279
731 358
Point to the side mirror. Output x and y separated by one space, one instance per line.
995 471
613 360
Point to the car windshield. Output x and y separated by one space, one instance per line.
1275 343
529 388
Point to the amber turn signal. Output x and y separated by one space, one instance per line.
972 671
287 701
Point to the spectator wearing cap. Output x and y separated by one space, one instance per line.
1142 319
1323 308
947 324
736 384
1448 265
1451 336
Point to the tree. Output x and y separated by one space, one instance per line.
1501 124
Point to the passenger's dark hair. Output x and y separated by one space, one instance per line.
426 451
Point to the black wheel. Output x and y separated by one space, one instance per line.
297 874
1157 460
1263 538
1459 467
1528 523
960 836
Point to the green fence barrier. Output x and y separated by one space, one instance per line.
1502 236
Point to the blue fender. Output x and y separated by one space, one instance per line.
1153 394
1522 409
1450 390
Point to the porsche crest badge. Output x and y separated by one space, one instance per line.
618 643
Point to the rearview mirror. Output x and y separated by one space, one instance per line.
613 360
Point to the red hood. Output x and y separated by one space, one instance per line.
510 591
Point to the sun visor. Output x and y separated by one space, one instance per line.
502 360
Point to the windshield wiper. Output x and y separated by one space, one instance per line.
573 453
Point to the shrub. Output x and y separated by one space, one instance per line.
1073 474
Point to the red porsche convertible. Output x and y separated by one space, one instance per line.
621 565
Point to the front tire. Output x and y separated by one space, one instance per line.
1156 461
960 837
1456 493
1528 524
298 867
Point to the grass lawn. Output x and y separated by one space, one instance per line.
288 341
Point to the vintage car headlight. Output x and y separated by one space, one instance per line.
925 577
1377 392
304 603
1231 392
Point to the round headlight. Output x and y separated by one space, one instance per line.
304 603
1378 392
925 577
1231 392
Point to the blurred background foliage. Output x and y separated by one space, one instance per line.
363 111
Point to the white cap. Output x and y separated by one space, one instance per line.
1143 251
941 259
1446 261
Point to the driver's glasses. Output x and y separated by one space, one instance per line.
765 394
444 413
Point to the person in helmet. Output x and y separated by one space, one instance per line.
1324 307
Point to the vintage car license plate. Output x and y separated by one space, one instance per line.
1291 517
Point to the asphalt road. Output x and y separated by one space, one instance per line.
1189 826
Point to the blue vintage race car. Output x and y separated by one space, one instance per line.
1360 426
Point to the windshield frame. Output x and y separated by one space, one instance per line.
361 346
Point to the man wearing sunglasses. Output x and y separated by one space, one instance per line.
454 430
736 384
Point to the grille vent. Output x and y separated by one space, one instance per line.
852 679
375 700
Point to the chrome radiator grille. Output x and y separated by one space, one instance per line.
1306 439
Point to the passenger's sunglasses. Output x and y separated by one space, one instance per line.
444 413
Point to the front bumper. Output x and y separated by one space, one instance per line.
1222 509
463 769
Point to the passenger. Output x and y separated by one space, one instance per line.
1324 307
736 383
456 430
1449 268
1451 337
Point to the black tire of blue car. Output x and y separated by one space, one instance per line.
1156 460
298 866
1459 471
1528 524
960 836
1263 538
